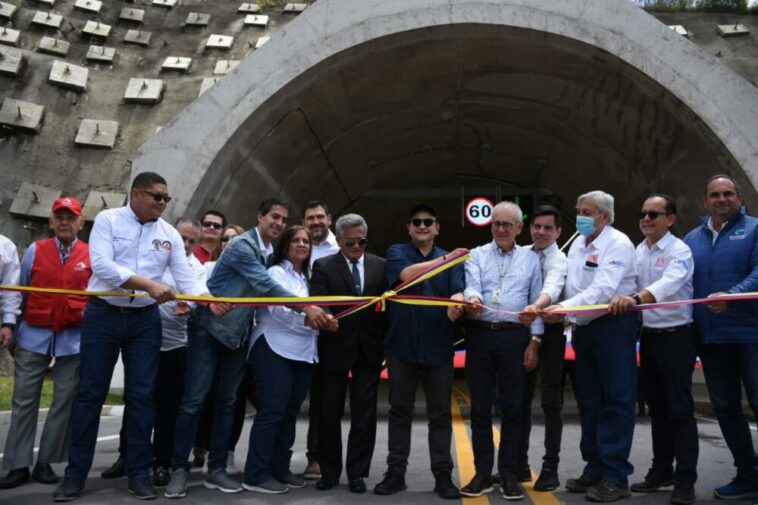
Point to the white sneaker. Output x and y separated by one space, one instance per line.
230 468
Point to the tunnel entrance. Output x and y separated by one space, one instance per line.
379 112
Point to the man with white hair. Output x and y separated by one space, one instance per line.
601 265
506 277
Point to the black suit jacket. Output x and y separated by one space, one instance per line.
362 332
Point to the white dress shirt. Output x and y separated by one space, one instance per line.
285 330
175 327
599 271
554 268
120 248
361 270
665 269
266 250
327 247
10 275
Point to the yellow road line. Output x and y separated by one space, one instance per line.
464 453
537 497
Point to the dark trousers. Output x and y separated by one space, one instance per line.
727 367
106 331
281 385
437 382
495 362
666 364
169 386
550 371
314 400
360 443
606 391
206 356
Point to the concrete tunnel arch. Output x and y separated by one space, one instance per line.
362 103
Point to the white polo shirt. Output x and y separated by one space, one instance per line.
665 269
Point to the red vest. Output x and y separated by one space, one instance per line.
57 311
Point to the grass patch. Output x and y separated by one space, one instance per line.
6 394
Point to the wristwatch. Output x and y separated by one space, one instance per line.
536 338
637 298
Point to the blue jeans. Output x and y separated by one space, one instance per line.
281 385
606 391
206 355
106 331
726 368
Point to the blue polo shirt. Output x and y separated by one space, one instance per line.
418 334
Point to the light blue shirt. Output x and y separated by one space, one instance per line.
504 281
38 339
285 330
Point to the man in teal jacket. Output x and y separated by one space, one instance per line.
725 252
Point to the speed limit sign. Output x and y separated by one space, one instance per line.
479 211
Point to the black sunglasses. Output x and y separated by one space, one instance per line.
427 222
652 214
158 197
351 242
211 224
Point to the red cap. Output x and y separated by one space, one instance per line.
69 203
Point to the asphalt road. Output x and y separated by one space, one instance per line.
715 466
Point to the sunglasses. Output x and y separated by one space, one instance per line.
426 222
158 197
652 214
211 224
351 242
225 239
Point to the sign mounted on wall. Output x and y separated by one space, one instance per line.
478 211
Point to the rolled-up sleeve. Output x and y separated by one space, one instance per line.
101 253
10 275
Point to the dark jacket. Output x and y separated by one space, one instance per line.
731 266
362 332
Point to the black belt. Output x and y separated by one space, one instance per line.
505 325
123 310
670 329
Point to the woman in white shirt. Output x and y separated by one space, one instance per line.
282 353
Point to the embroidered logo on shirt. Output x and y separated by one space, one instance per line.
738 234
81 266
617 263
660 261
161 245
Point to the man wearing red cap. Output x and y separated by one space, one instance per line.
50 328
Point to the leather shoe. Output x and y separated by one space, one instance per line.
581 484
606 491
116 470
444 487
547 481
161 476
683 494
44 473
14 478
391 483
68 490
323 484
478 486
142 489
653 481
357 485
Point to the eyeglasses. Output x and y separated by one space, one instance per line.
158 197
652 214
189 240
426 222
505 225
225 239
212 224
351 242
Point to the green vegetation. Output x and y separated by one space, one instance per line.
264 4
6 394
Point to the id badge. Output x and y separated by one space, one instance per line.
496 297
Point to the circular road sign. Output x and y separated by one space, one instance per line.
479 211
